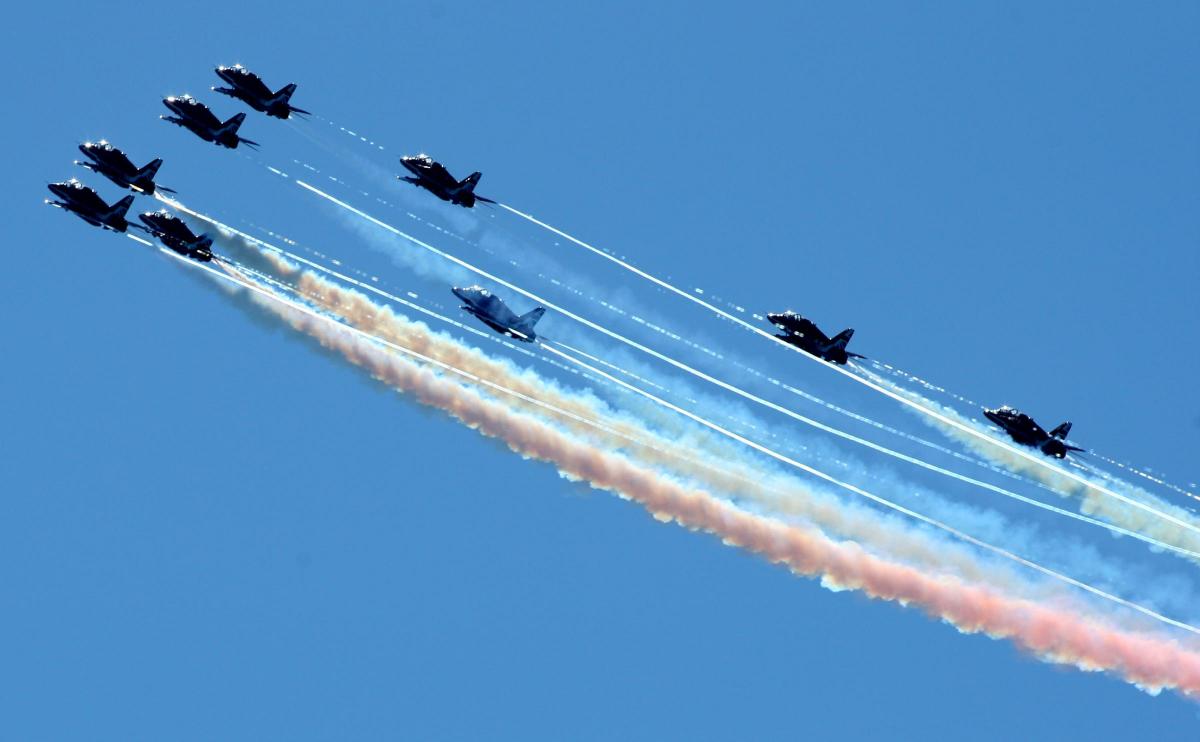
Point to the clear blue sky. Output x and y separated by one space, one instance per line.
209 531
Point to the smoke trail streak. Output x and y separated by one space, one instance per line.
371 316
887 503
572 415
673 455
1091 494
798 392
718 382
268 248
1052 633
918 406
968 480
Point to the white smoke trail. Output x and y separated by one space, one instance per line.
1053 633
919 406
820 426
337 304
725 385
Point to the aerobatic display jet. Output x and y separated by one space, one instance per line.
86 204
806 336
251 90
196 117
491 311
112 163
433 177
173 233
1022 429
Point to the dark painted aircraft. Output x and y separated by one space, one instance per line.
196 117
1022 429
112 163
433 177
806 336
251 90
173 233
491 311
86 204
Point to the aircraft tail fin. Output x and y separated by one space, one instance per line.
120 208
526 321
839 341
1061 432
204 241
234 123
151 169
285 93
468 183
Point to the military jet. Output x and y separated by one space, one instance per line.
433 177
491 311
197 118
251 90
806 336
112 163
1022 429
86 204
173 233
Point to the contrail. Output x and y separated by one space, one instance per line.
722 384
921 408
1053 633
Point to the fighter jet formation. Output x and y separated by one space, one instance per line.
493 312
424 172
105 159
431 175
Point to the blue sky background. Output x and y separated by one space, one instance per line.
209 531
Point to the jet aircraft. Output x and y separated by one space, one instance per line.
196 117
113 164
806 336
251 90
433 177
1022 429
86 204
173 233
491 311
